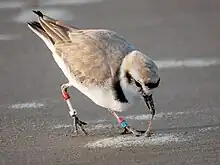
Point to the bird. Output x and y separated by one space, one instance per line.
102 65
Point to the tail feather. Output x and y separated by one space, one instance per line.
55 29
51 31
38 30
57 22
61 31
36 24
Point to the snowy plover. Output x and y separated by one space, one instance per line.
102 65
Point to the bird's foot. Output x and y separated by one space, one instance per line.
127 128
148 133
77 122
137 133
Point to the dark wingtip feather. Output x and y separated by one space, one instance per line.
35 25
30 23
38 13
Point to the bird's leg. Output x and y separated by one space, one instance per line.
121 121
72 111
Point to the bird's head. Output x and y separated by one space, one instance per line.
140 74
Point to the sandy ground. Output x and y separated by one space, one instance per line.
34 124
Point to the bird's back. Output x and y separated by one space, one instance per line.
93 55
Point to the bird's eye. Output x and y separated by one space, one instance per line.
137 84
130 79
151 85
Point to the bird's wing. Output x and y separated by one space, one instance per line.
93 56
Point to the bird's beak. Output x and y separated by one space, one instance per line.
150 103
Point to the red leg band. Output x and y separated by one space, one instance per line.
66 96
